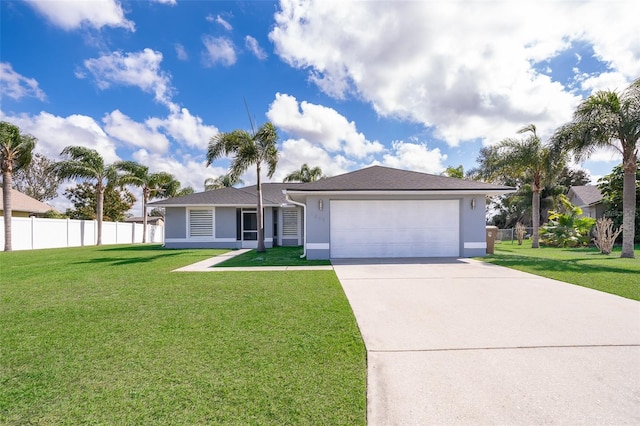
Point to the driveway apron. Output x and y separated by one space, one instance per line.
458 341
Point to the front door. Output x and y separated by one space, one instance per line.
249 229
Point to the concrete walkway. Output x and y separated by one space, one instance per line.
457 341
207 265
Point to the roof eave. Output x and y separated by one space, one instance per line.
216 205
404 192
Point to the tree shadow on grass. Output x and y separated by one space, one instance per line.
135 248
147 253
127 260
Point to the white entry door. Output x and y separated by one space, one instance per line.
395 228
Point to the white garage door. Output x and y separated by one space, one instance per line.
399 228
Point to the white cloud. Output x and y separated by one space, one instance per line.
17 86
190 171
54 133
181 52
71 15
218 50
184 128
320 125
139 69
604 81
414 156
220 20
167 2
134 133
465 68
296 152
254 47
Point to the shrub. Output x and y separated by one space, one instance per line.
567 228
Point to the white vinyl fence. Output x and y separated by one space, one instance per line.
29 233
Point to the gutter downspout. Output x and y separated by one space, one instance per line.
304 216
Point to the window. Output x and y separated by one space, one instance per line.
201 223
289 223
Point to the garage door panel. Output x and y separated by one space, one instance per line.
403 228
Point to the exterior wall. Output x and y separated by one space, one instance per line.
473 237
318 228
268 226
176 226
225 218
471 222
595 211
224 229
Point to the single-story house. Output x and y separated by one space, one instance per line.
589 199
373 212
151 220
24 206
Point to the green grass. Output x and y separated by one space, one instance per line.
276 256
108 335
582 266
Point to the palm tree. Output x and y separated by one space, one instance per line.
85 163
454 172
153 185
15 153
223 181
305 174
529 157
248 149
187 190
609 120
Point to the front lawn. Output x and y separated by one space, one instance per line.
581 266
276 256
108 335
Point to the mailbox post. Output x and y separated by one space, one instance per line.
492 234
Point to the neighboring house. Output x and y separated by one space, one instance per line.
372 212
589 199
24 206
151 220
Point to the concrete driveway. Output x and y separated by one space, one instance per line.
457 341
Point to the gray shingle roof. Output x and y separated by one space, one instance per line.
586 195
271 195
379 178
376 178
23 203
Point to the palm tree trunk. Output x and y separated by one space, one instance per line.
535 218
261 248
6 200
145 200
628 208
99 210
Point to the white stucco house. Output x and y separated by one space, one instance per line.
372 212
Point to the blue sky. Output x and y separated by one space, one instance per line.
413 85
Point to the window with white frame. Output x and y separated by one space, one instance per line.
290 223
200 223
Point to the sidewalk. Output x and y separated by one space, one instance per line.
207 265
